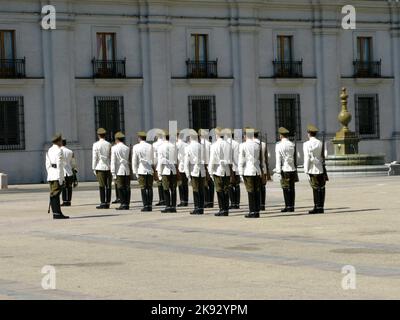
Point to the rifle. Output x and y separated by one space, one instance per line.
296 179
326 177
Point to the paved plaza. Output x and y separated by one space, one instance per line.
131 255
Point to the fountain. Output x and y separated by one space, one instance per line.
346 159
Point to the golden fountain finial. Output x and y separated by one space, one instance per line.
344 115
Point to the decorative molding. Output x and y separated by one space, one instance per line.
18 83
217 82
366 81
128 82
287 82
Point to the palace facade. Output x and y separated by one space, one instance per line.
135 64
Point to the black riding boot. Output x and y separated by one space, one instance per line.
226 202
221 204
102 192
64 194
167 199
143 193
201 201
56 208
232 197
161 197
315 196
181 196
150 199
263 195
108 197
173 200
321 200
292 199
252 206
286 198
123 196
196 203
237 197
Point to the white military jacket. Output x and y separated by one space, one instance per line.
285 156
142 158
69 161
206 147
249 158
194 163
55 164
156 145
220 155
120 160
167 158
235 154
313 156
181 146
101 155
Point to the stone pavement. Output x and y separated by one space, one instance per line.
131 255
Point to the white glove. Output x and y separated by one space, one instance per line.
189 178
61 181
137 176
114 177
159 177
241 179
94 172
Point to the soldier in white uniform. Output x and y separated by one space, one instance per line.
69 171
194 165
120 169
183 185
219 169
314 167
209 187
167 169
286 168
156 144
250 170
55 175
266 175
143 168
234 184
101 157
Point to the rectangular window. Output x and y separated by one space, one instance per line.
12 135
202 113
367 116
285 48
109 114
199 44
105 46
364 49
287 114
7 45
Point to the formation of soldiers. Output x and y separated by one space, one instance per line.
174 163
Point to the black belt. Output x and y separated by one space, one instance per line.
54 166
